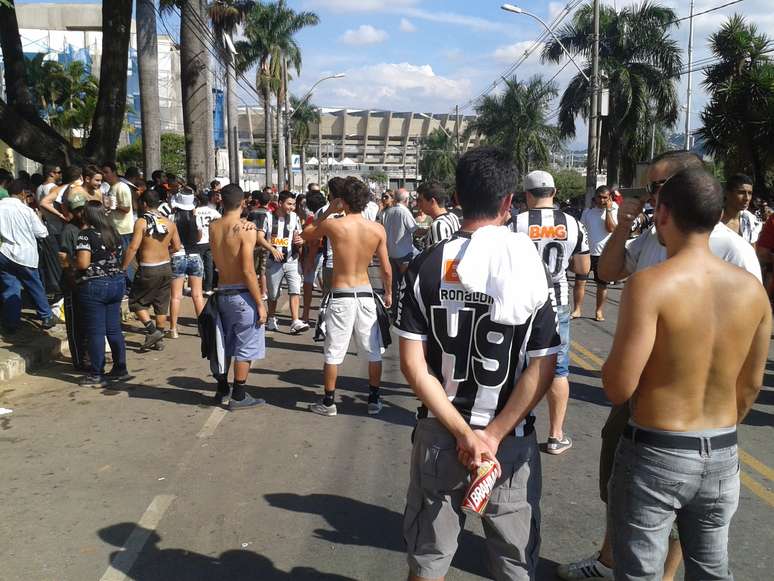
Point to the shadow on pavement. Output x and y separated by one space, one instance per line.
361 524
588 393
758 418
155 564
574 370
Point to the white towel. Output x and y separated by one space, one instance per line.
506 266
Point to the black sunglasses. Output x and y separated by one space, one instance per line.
653 187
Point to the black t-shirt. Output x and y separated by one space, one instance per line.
69 241
104 262
477 361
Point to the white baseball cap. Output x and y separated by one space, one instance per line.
538 179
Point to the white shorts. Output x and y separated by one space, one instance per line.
347 317
276 271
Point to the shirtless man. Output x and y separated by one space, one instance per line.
682 346
620 259
153 239
240 304
352 306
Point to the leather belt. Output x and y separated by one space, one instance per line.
673 442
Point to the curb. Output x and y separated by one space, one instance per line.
17 360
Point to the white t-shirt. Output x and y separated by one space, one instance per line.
44 190
371 211
594 221
204 216
646 250
122 194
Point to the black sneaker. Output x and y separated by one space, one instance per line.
247 402
151 339
50 323
93 381
116 375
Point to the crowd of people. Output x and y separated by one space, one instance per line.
484 335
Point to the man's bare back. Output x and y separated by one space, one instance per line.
155 248
355 241
230 237
706 326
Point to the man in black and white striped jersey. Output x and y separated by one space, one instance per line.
432 200
478 381
563 243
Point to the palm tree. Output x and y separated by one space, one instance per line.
739 119
226 16
304 116
642 64
194 61
148 65
517 121
439 157
269 33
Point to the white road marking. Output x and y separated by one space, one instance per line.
123 561
212 422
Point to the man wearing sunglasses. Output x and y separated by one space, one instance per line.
620 259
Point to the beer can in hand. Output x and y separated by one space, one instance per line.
480 489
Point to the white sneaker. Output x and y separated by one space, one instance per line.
298 326
323 410
590 568
271 324
172 334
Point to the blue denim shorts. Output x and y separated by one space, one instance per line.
190 264
563 358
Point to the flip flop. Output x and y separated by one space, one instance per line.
599 320
573 317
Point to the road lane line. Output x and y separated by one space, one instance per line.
756 465
758 489
212 422
581 362
125 558
596 359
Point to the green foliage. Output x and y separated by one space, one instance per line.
439 156
305 115
66 95
739 119
6 160
569 184
642 64
517 121
379 177
172 154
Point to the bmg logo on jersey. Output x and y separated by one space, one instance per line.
558 232
450 272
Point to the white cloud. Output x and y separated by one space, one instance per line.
407 26
473 22
364 34
512 52
359 5
394 86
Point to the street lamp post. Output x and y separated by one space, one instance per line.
289 116
591 155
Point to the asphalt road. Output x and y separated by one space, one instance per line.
146 482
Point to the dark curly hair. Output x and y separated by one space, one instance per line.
355 194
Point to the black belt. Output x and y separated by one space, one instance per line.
230 292
351 295
678 442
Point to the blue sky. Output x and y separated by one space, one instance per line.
430 55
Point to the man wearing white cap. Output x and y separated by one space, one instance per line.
562 242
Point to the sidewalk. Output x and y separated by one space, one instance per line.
30 347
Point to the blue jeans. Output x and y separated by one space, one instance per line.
99 300
12 278
563 358
651 487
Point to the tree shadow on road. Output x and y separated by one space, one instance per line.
367 525
758 418
156 564
588 393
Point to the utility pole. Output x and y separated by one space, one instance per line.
591 153
690 82
319 148
288 130
457 128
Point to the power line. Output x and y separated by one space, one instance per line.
695 14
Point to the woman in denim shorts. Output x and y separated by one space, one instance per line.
187 262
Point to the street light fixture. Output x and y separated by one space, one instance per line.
519 10
310 91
